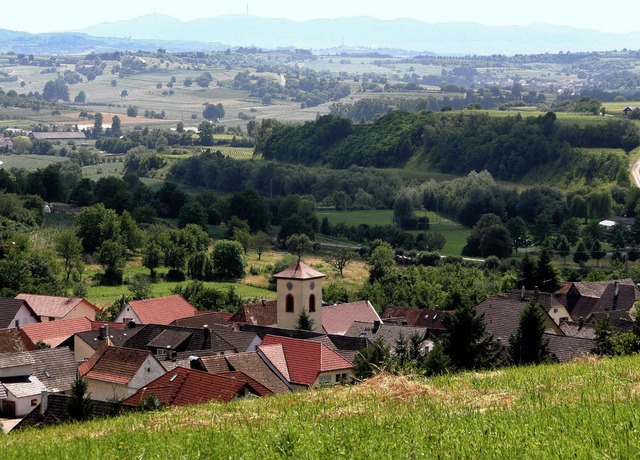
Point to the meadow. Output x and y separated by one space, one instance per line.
587 409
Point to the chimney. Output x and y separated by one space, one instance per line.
376 326
580 323
615 295
44 401
536 292
131 324
522 292
104 332
206 343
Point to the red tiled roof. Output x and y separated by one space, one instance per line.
299 271
52 306
183 386
114 364
337 319
203 318
53 333
162 310
416 317
305 359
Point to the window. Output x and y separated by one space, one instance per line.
341 378
312 303
34 402
289 303
17 322
161 352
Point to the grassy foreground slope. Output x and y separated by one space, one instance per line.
589 409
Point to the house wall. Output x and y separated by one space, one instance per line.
83 308
103 391
558 313
254 344
551 326
329 378
24 405
81 350
150 370
127 312
301 290
16 371
24 316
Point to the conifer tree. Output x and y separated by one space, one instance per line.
528 345
304 321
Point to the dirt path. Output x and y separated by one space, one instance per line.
635 172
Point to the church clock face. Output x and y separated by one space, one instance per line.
312 285
289 285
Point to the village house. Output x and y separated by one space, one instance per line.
160 310
55 368
117 373
58 136
391 334
86 343
60 333
305 363
52 308
20 391
15 313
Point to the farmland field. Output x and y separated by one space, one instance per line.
28 162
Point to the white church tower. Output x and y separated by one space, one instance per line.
299 288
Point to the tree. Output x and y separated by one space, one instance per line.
130 234
581 255
570 228
95 224
139 287
97 126
243 237
604 337
546 278
466 341
152 256
111 255
260 242
228 259
370 360
213 112
528 345
304 321
519 232
80 406
192 213
116 130
21 144
562 246
381 261
339 258
132 111
55 89
298 243
403 213
81 97
205 129
69 247
124 94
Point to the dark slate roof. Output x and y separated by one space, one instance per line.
415 317
204 319
198 340
8 310
21 358
15 340
389 333
57 412
569 348
170 339
55 368
117 336
263 313
502 315
546 300
575 329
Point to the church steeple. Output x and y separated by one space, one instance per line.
299 288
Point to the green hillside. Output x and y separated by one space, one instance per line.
588 409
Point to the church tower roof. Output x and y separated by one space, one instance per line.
299 271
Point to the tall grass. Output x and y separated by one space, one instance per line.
588 409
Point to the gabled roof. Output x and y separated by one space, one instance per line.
299 271
389 333
55 368
304 360
114 364
184 386
8 310
198 340
21 358
162 310
117 336
53 306
573 329
15 340
58 135
337 319
252 365
263 313
23 387
53 333
568 348
204 319
416 317
170 339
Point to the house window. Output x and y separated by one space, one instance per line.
34 402
340 378
161 352
312 303
17 322
289 303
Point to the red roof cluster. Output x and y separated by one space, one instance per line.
53 306
162 310
338 318
53 333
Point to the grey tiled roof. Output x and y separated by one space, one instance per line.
569 348
23 387
22 358
389 333
55 368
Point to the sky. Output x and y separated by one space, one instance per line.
63 15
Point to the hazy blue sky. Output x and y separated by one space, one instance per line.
611 16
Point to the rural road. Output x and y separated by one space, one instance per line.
635 172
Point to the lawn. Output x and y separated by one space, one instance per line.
587 409
28 161
454 233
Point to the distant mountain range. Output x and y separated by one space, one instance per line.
154 31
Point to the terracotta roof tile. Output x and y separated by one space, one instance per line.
203 318
299 271
162 310
305 359
52 306
53 333
416 317
184 386
263 313
337 319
